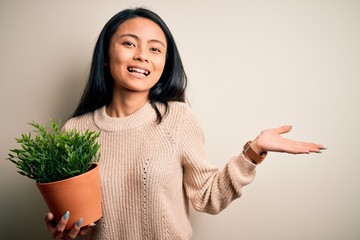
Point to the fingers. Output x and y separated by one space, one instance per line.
75 230
296 147
317 148
310 147
58 231
284 129
48 218
85 229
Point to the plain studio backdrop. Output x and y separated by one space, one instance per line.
251 65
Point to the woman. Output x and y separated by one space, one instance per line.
153 161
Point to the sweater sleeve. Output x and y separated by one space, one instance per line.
209 189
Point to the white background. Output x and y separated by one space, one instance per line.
251 65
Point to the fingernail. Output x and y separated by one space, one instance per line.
79 223
92 225
66 215
324 148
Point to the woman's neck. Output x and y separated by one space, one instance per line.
122 106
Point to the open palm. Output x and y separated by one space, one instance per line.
272 140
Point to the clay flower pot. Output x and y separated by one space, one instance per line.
80 195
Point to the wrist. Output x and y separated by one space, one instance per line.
253 153
255 146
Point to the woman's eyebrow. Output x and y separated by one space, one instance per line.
137 38
128 35
157 41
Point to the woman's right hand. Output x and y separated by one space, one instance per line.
58 230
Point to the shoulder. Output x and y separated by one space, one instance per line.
184 109
183 115
178 112
81 122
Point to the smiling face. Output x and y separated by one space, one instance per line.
137 56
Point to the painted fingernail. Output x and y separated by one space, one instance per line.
324 148
79 223
66 215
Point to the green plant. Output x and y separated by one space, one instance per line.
54 155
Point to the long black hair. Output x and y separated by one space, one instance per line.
98 91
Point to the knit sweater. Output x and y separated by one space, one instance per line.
150 172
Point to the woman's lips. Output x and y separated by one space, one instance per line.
139 71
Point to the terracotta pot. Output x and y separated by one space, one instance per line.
80 195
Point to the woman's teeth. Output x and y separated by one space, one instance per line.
138 71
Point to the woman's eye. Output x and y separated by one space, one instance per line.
130 44
154 49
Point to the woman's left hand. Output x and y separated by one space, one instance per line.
270 140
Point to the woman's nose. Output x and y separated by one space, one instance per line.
141 55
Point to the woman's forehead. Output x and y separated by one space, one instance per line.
142 28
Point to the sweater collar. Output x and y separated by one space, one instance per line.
145 114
